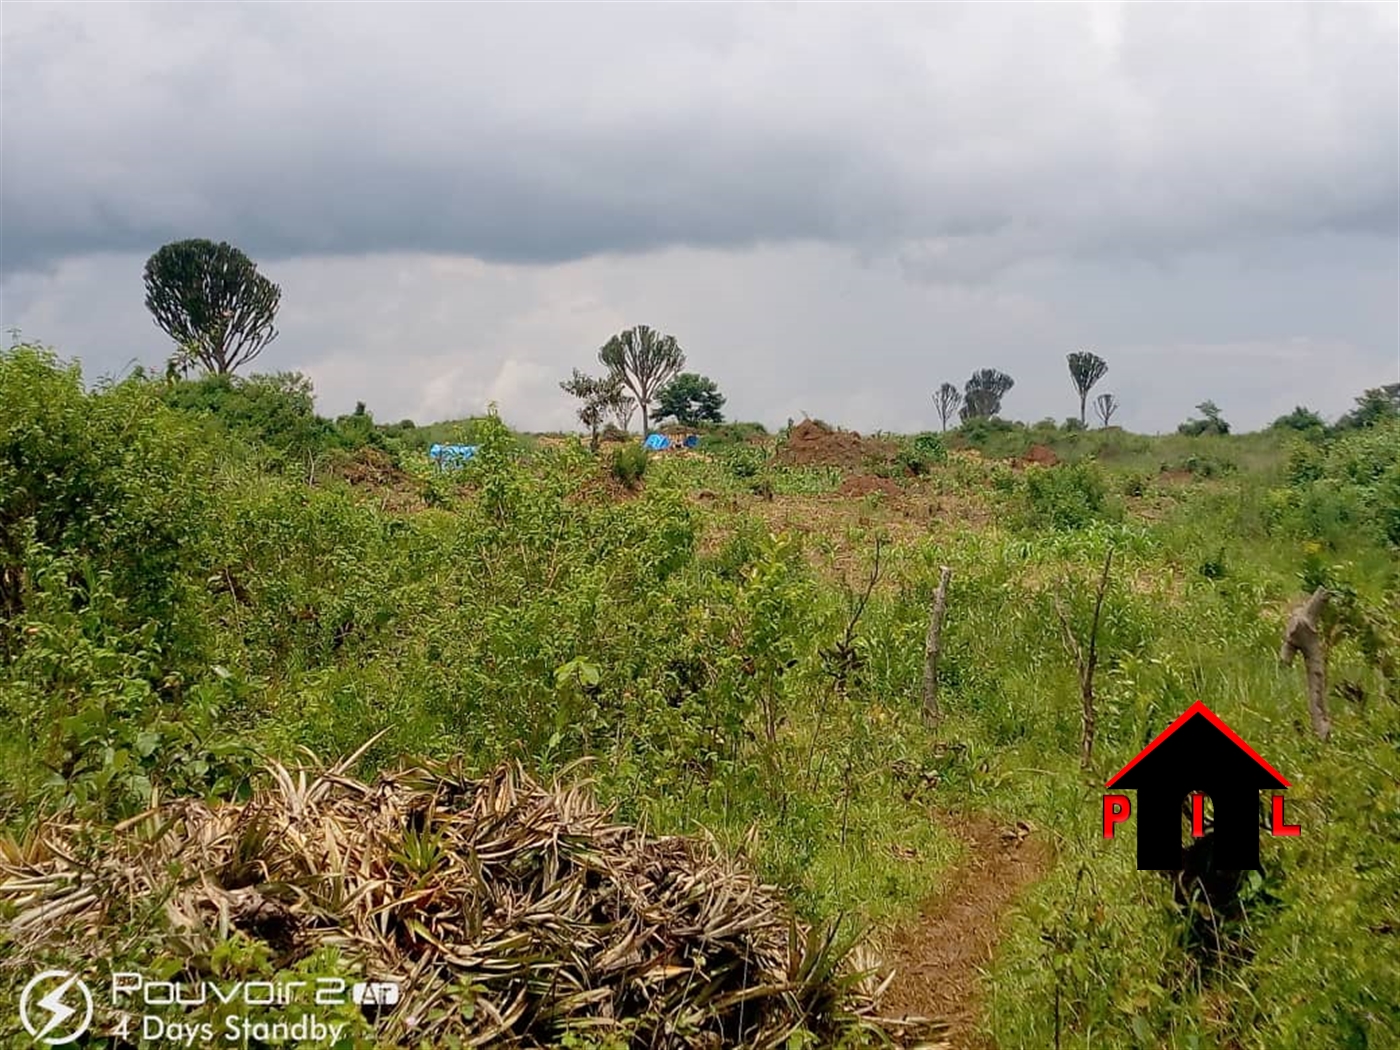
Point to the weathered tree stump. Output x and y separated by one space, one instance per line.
1303 635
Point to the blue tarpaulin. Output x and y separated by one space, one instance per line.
454 455
658 442
692 440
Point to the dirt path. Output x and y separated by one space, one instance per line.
938 957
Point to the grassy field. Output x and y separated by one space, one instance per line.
738 648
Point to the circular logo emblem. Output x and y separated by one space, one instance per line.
55 1007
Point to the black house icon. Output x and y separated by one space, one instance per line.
1198 753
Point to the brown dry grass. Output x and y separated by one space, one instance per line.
559 917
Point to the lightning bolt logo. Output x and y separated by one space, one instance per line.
54 1008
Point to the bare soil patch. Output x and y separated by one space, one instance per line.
813 443
1041 455
857 485
939 958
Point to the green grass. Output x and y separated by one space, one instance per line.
176 613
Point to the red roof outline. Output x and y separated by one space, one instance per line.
1199 708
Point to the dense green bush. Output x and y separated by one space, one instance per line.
743 462
1068 496
920 454
110 478
273 412
721 435
629 464
1303 420
1351 483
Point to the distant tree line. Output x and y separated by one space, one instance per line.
221 313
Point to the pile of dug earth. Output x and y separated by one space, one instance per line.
813 443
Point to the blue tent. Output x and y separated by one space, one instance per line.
451 455
658 442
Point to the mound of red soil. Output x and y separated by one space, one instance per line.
1041 455
863 484
813 443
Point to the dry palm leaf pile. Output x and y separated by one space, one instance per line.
511 912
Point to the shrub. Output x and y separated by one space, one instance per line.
919 455
276 411
629 464
1068 496
931 447
743 462
732 434
109 476
1208 466
1211 422
1303 420
1353 484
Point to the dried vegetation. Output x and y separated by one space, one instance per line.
555 916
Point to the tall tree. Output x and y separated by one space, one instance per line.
692 399
646 360
1085 369
946 399
1374 406
623 410
1105 405
599 395
212 301
983 393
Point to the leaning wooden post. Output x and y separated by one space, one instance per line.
1302 634
933 645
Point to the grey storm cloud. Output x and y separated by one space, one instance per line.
958 140
834 207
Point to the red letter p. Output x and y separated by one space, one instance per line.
1116 809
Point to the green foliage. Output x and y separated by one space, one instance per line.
733 434
1211 423
690 399
743 461
1350 484
980 433
1303 420
174 607
921 453
599 396
1068 496
1374 407
629 464
110 477
274 411
99 708
212 301
931 447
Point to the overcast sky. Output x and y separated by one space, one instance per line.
833 208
